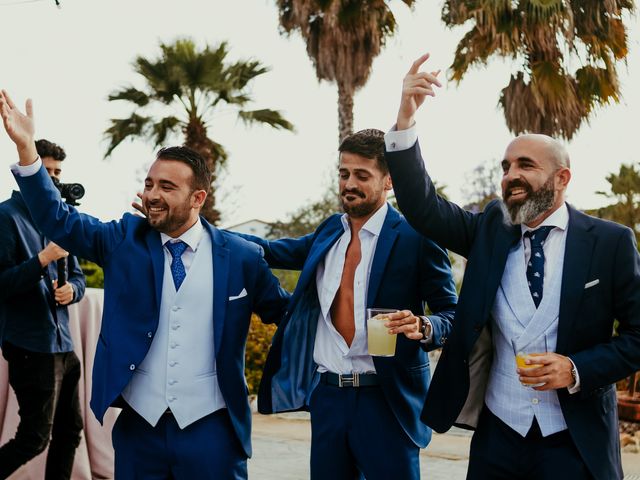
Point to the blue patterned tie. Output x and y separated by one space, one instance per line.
535 267
176 249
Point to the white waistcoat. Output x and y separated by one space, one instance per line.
515 317
179 371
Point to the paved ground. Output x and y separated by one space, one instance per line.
281 452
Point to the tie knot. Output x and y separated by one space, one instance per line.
539 235
176 249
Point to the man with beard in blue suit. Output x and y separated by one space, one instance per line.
179 295
364 409
541 277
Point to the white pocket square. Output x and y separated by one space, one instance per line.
592 283
243 293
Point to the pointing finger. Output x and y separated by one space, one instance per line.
415 66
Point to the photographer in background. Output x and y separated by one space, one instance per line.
34 333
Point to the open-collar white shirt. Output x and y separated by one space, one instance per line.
331 352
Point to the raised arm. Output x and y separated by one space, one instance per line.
286 253
78 233
441 220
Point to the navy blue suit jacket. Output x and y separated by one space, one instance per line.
595 250
28 312
132 257
407 270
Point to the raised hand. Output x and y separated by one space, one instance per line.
19 126
415 88
139 206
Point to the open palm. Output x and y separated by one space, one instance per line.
19 126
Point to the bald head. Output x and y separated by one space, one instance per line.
551 148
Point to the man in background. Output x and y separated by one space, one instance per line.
36 342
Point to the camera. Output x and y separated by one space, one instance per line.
71 192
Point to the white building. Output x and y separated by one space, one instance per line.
251 227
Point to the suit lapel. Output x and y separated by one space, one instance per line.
152 239
220 256
318 252
505 238
388 235
577 262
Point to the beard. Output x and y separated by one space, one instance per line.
535 203
361 209
171 219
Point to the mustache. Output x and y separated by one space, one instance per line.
154 203
353 191
517 183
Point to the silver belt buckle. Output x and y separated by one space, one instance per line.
349 380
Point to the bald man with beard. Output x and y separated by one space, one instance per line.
543 278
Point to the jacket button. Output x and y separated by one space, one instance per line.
477 328
443 340
149 334
132 367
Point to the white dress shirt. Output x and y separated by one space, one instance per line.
331 352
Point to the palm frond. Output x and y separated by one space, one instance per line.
596 86
122 128
163 128
162 77
241 73
130 94
270 117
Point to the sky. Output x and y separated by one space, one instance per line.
68 60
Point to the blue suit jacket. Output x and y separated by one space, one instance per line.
133 260
595 250
407 270
28 312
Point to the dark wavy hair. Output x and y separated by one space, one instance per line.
46 148
368 143
198 165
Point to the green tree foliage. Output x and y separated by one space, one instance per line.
185 88
258 343
94 275
547 39
343 37
306 219
625 190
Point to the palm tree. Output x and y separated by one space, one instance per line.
343 37
546 37
185 87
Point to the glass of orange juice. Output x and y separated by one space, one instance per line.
522 355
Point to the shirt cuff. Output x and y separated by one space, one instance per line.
27 170
429 339
575 388
397 140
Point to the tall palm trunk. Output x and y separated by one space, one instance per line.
345 110
196 138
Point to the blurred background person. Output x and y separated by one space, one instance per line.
34 333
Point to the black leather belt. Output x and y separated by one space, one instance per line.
349 379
